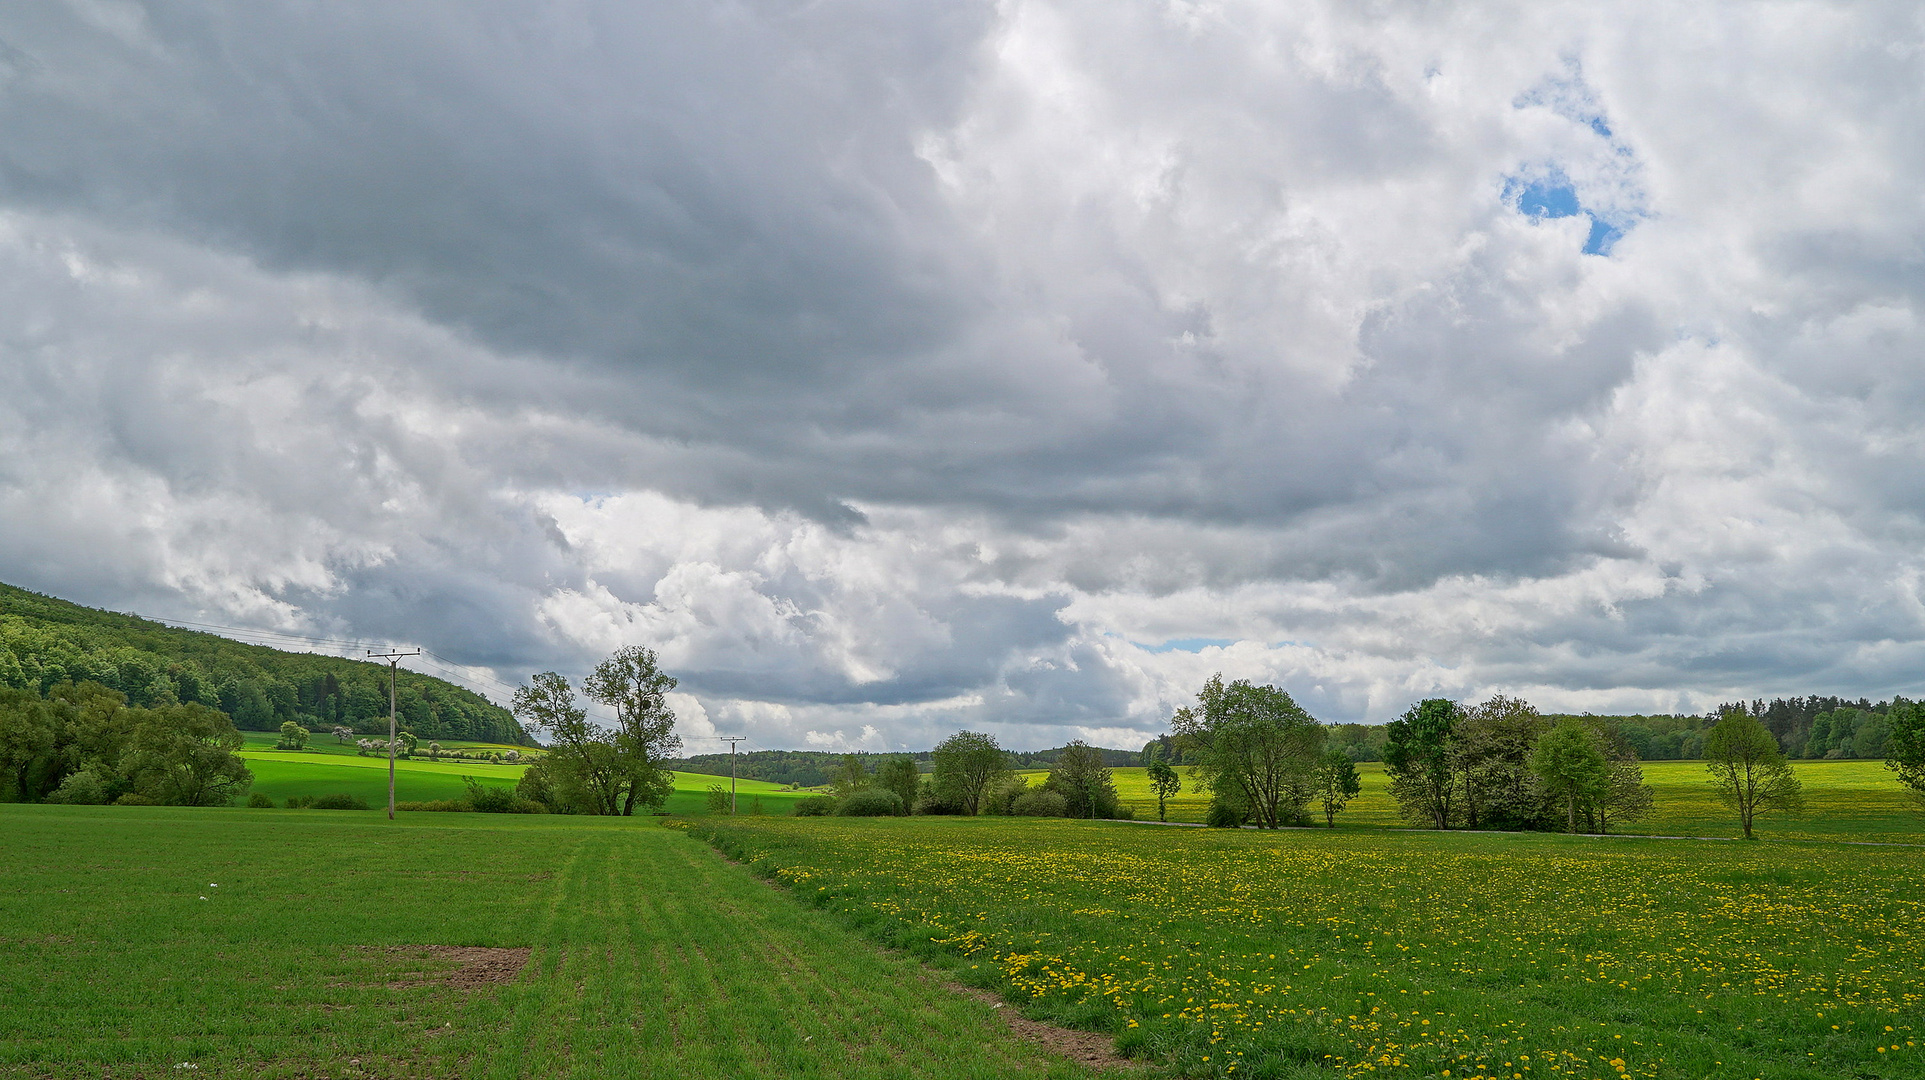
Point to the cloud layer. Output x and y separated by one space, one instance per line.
894 371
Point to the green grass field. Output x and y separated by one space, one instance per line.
1848 800
1316 954
651 957
327 768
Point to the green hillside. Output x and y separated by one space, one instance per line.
45 641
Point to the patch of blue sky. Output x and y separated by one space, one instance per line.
1552 195
1188 644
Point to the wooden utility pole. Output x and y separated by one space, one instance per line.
394 661
732 740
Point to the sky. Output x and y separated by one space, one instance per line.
895 369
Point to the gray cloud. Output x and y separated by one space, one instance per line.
896 369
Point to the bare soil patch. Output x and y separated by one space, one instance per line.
1083 1047
475 967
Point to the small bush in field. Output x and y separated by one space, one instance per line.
815 806
870 802
338 802
260 802
135 798
446 806
1039 803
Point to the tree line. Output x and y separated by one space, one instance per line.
815 768
83 743
45 642
971 774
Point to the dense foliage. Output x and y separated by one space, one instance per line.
593 769
44 642
82 744
1502 765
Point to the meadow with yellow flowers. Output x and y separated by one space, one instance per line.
1301 953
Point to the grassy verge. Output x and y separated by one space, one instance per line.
1304 954
650 956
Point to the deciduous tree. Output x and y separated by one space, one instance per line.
1417 756
1255 747
633 684
1336 782
965 764
1163 779
1084 781
1905 749
1571 767
1749 770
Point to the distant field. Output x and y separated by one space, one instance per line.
326 768
650 957
1318 954
1849 800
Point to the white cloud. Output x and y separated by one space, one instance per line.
892 372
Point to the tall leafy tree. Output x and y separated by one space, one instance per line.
1905 748
965 765
1417 757
1163 779
899 774
30 733
583 764
1490 753
184 755
633 684
1084 781
1749 770
1256 748
1571 767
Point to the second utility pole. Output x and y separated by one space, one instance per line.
731 740
393 659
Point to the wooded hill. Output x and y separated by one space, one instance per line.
45 641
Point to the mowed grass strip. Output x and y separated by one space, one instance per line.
651 957
1306 953
1848 800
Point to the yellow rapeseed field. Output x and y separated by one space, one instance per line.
1314 953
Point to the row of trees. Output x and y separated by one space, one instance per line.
82 743
971 774
1502 765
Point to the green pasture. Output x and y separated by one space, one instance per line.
324 768
650 956
1847 800
1308 953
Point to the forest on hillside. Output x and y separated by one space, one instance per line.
46 641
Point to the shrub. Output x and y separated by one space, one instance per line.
259 801
498 800
299 802
720 801
815 806
338 802
449 806
135 798
870 802
83 788
1002 794
1223 815
1039 803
